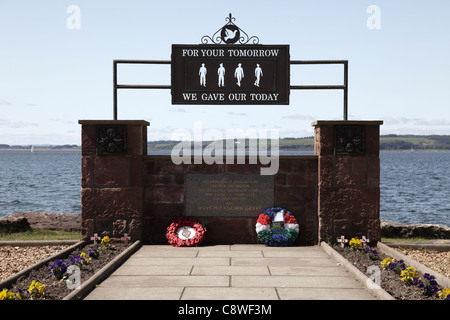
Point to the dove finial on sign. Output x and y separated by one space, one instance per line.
229 34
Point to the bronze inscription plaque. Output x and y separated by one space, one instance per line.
228 194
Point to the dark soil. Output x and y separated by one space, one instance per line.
58 290
390 281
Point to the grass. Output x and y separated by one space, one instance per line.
404 239
40 234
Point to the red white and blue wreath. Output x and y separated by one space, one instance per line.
277 227
185 232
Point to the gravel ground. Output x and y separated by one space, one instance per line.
438 261
15 259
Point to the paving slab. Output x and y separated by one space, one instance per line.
177 261
229 293
292 262
295 281
165 254
305 271
231 254
135 293
165 281
295 254
230 272
324 294
148 270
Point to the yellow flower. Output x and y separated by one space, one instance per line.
36 289
4 294
386 262
443 294
355 243
32 286
106 239
8 295
408 275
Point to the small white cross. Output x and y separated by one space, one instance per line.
342 240
95 238
364 241
126 238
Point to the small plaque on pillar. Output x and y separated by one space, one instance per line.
349 139
111 139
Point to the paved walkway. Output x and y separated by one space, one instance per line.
224 272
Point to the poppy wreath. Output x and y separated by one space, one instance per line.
277 236
185 232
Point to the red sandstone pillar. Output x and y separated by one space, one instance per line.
348 179
112 184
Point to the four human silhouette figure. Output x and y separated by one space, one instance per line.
238 74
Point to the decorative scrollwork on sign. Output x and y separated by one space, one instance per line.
349 139
111 139
230 34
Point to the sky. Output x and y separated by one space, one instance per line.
56 64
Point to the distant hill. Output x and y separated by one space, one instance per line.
40 147
408 142
387 142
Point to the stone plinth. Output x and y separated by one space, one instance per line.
112 177
348 179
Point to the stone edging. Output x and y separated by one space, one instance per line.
440 278
8 281
103 273
373 288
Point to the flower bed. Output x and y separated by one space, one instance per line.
60 277
401 281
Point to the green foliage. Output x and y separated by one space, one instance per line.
40 234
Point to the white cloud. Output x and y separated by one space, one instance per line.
298 116
237 113
179 110
17 124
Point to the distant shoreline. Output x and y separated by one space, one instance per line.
390 142
38 149
169 150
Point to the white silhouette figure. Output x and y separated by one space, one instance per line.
239 74
221 73
229 34
258 74
202 73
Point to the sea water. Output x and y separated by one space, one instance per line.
415 186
